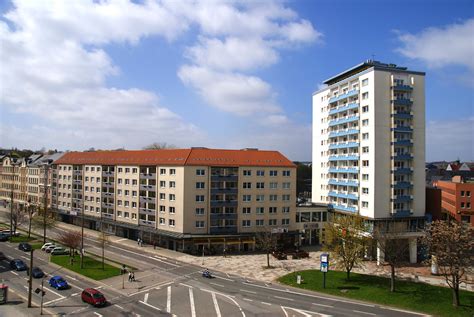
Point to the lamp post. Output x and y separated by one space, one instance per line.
30 278
45 200
11 212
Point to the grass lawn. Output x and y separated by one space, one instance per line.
36 245
92 268
22 238
420 297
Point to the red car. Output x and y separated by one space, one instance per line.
93 297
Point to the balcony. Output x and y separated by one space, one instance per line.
108 184
344 108
335 134
344 96
402 114
402 101
401 198
147 199
401 87
217 190
402 171
147 211
148 187
351 170
403 129
108 216
107 205
227 178
343 195
77 172
224 216
223 230
344 145
402 157
147 175
77 190
402 185
107 194
343 120
343 208
402 142
75 181
401 213
146 223
352 157
339 182
222 203
108 174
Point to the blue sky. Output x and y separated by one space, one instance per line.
221 74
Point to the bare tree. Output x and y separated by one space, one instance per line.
346 238
103 239
30 209
266 241
452 244
71 239
38 221
159 146
395 248
16 217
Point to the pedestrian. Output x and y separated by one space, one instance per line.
138 241
133 277
129 276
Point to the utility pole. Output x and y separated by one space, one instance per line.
11 212
45 200
30 278
82 237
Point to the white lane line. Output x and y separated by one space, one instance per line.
96 313
189 286
9 257
286 313
119 307
216 284
224 278
168 300
216 305
25 278
121 240
72 278
147 289
266 303
13 272
149 305
99 287
363 312
191 301
251 292
146 298
285 298
323 305
248 299
75 294
403 311
25 257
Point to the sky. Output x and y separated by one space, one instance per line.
219 74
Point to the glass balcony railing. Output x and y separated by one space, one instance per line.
401 198
335 134
402 101
402 157
402 87
343 96
344 108
402 170
350 170
403 129
402 185
353 157
343 120
343 195
344 145
342 182
343 207
402 142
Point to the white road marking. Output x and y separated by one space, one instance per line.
401 310
13 272
121 240
156 286
224 278
189 286
323 305
96 313
248 299
191 301
251 292
75 294
216 284
363 312
119 307
285 298
286 314
168 300
216 305
146 298
72 278
149 305
25 257
266 303
99 287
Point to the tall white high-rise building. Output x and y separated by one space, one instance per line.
369 142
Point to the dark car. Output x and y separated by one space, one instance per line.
4 237
58 282
36 272
24 246
93 297
18 265
2 256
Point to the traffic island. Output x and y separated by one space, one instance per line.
92 268
435 300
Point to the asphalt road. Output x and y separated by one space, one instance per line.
178 289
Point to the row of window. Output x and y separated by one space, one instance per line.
247 198
261 185
465 193
285 173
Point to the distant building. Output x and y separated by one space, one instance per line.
457 199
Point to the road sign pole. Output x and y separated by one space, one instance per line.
42 295
324 280
30 279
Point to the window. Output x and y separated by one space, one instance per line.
199 211
172 184
286 185
365 204
120 170
365 177
127 192
134 182
365 163
162 208
200 185
272 222
199 198
285 197
200 172
365 109
246 210
134 204
126 214
127 203
127 170
466 219
162 184
365 136
162 196
172 171
365 190
97 180
260 185
247 173
260 198
272 210
365 122
365 82
285 210
365 96
260 173
365 149
462 193
273 197
200 224
247 185
119 203
172 197
273 173
260 222
286 173
162 171
260 210
127 181
285 221
247 197
462 204
162 221
468 205
172 210
273 185
119 181
171 222
245 223
468 193
135 170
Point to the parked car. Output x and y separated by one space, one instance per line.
58 282
93 297
24 246
2 256
47 244
4 237
18 265
36 272
59 251
50 248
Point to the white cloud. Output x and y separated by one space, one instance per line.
441 46
450 140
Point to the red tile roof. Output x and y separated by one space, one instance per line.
179 157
